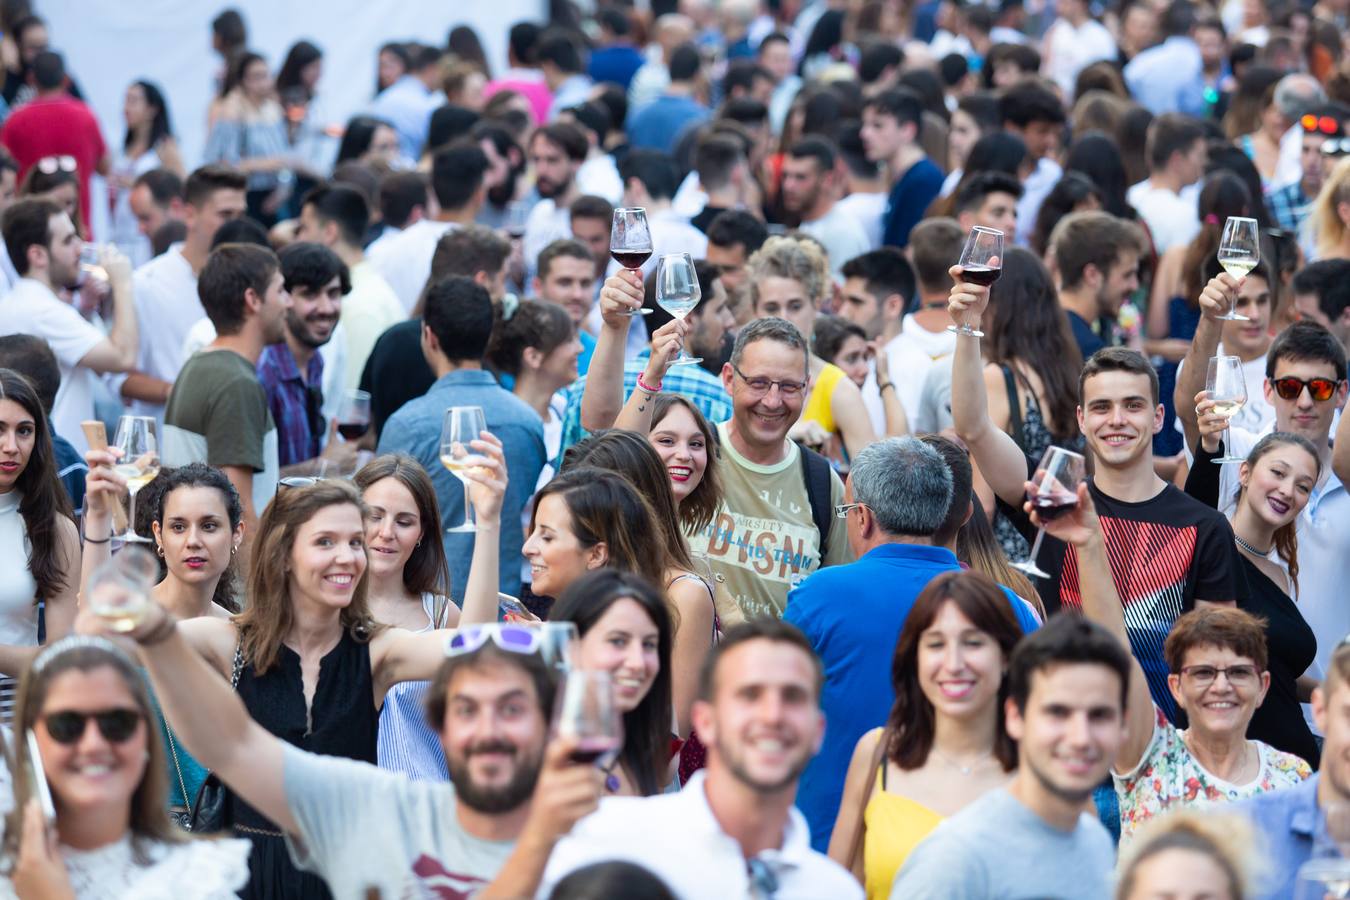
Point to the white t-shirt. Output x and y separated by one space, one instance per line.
546 223
672 233
32 308
869 211
1257 414
167 306
370 308
678 839
405 261
1171 219
1073 49
908 366
600 176
842 234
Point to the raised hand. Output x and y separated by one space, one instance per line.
1076 526
666 344
967 301
621 294
1220 295
1210 425
489 480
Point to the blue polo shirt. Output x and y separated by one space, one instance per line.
852 615
1287 820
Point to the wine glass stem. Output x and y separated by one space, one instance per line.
468 508
1227 448
131 510
1036 545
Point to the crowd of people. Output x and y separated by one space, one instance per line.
909 585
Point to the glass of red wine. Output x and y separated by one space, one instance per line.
586 715
1056 492
353 418
630 243
981 263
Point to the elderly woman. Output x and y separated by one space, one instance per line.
1216 657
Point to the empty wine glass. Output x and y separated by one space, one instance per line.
353 418
119 589
585 714
139 463
1227 387
630 243
1239 252
559 646
461 425
981 263
677 292
1056 492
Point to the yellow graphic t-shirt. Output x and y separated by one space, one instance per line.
762 542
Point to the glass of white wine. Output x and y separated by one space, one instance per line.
119 589
1227 387
1239 252
461 425
678 293
138 464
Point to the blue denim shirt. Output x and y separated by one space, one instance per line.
416 430
1287 820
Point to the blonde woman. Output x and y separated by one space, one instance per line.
1331 214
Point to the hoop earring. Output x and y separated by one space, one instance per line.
159 549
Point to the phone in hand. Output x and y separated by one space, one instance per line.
512 610
37 780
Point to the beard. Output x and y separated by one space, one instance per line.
505 192
549 189
300 330
741 772
494 800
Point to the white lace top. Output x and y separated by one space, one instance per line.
197 870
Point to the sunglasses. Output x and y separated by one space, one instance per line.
1335 146
116 725
1289 387
1320 124
511 638
50 165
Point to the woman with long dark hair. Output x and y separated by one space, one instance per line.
625 630
1031 369
940 749
37 527
306 124
149 144
997 151
1074 192
83 699
367 139
1098 157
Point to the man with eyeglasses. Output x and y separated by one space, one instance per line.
904 504
1306 383
775 525
732 831
512 793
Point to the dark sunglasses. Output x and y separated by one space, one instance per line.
1290 387
116 725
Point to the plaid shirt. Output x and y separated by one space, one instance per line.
701 387
1290 206
295 402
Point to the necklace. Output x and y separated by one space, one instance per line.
1248 547
611 780
963 769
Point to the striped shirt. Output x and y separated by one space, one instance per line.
407 743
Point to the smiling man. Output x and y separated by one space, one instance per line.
1066 710
1168 551
567 278
732 830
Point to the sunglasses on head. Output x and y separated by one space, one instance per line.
1289 387
1319 124
511 638
50 165
116 725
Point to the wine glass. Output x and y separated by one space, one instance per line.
1239 252
353 418
461 425
585 714
139 463
630 243
517 214
677 292
560 645
1227 387
981 263
1055 493
119 589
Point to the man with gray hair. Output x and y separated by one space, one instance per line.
1296 95
774 526
898 508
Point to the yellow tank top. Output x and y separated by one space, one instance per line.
817 407
895 825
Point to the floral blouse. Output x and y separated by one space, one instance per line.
1168 776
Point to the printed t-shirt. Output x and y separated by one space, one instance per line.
762 540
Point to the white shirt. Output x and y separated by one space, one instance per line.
1034 190
842 235
678 839
672 233
370 308
1073 49
600 176
908 366
690 198
1170 218
546 223
32 308
405 261
167 306
869 211
1257 414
